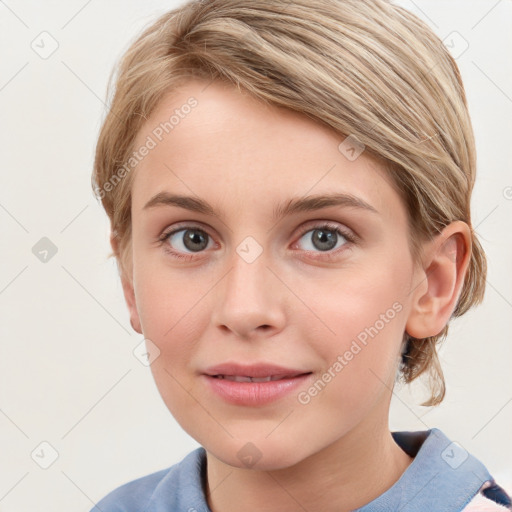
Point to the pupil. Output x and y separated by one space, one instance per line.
192 237
324 239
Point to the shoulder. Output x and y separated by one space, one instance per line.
455 479
164 487
134 495
490 498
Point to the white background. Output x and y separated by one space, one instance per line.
67 373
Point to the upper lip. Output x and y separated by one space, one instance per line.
253 370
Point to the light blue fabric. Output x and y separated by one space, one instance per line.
443 477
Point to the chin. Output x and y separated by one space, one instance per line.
260 454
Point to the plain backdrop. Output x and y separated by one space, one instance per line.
73 397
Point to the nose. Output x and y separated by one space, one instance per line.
250 300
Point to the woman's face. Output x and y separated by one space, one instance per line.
260 275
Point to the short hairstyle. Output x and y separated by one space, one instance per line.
365 68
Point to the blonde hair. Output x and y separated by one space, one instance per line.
367 68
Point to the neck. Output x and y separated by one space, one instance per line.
343 476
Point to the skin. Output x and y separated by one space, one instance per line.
293 305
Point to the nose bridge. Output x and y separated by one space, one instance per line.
249 296
247 278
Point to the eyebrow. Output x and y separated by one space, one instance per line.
294 205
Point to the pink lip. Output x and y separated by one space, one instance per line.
253 370
254 393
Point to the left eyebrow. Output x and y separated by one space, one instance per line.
317 202
294 205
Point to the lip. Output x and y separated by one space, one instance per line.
254 393
257 370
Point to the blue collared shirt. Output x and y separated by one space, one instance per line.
443 477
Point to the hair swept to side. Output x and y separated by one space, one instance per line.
367 68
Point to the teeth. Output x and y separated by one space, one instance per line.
261 379
238 378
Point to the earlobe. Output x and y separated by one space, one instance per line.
128 290
435 296
129 296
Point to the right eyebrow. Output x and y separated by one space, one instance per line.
189 203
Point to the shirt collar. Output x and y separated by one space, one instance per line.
442 475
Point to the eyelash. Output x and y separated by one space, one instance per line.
326 255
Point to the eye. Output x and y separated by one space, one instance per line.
189 239
324 238
184 241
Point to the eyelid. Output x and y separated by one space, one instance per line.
181 226
310 225
332 225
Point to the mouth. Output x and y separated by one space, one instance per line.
255 385
253 372
269 378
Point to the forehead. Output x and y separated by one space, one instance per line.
230 147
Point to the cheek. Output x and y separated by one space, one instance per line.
173 313
169 302
365 307
173 316
355 299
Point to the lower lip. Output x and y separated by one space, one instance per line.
254 393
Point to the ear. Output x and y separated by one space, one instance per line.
438 284
126 275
